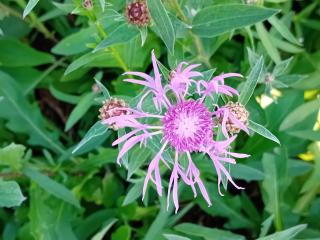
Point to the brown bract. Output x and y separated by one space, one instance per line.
111 108
137 13
240 113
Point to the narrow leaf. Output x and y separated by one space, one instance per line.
31 4
252 80
56 189
104 230
261 130
163 23
216 20
287 234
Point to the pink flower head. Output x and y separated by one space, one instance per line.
181 79
185 126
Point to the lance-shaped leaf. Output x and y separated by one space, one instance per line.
216 20
261 130
31 4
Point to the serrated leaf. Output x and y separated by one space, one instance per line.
216 20
93 138
12 155
162 23
122 34
10 194
31 4
251 82
56 189
78 112
299 114
261 130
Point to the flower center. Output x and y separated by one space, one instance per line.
188 126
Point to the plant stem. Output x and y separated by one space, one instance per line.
114 52
202 56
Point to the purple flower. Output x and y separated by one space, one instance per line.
186 126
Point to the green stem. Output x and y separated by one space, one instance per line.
114 51
202 56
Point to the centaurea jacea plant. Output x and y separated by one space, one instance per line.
185 125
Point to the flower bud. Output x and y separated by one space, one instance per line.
240 113
111 108
137 13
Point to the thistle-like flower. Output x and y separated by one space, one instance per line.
137 13
186 126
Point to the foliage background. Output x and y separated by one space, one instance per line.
49 100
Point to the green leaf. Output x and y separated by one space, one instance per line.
56 189
175 237
122 34
17 110
275 183
31 4
162 23
12 155
103 89
122 233
261 130
62 96
216 20
287 234
17 54
84 60
93 138
207 233
306 134
79 111
251 82
267 43
10 194
76 42
283 30
102 4
108 224
266 225
133 194
300 114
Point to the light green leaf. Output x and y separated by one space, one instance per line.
300 114
122 34
103 89
12 155
207 233
283 30
17 54
251 82
287 234
175 237
62 96
306 134
133 194
76 42
78 112
266 225
102 4
261 130
275 183
17 110
84 60
93 138
162 23
56 189
108 224
10 194
216 20
267 43
31 4
122 233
